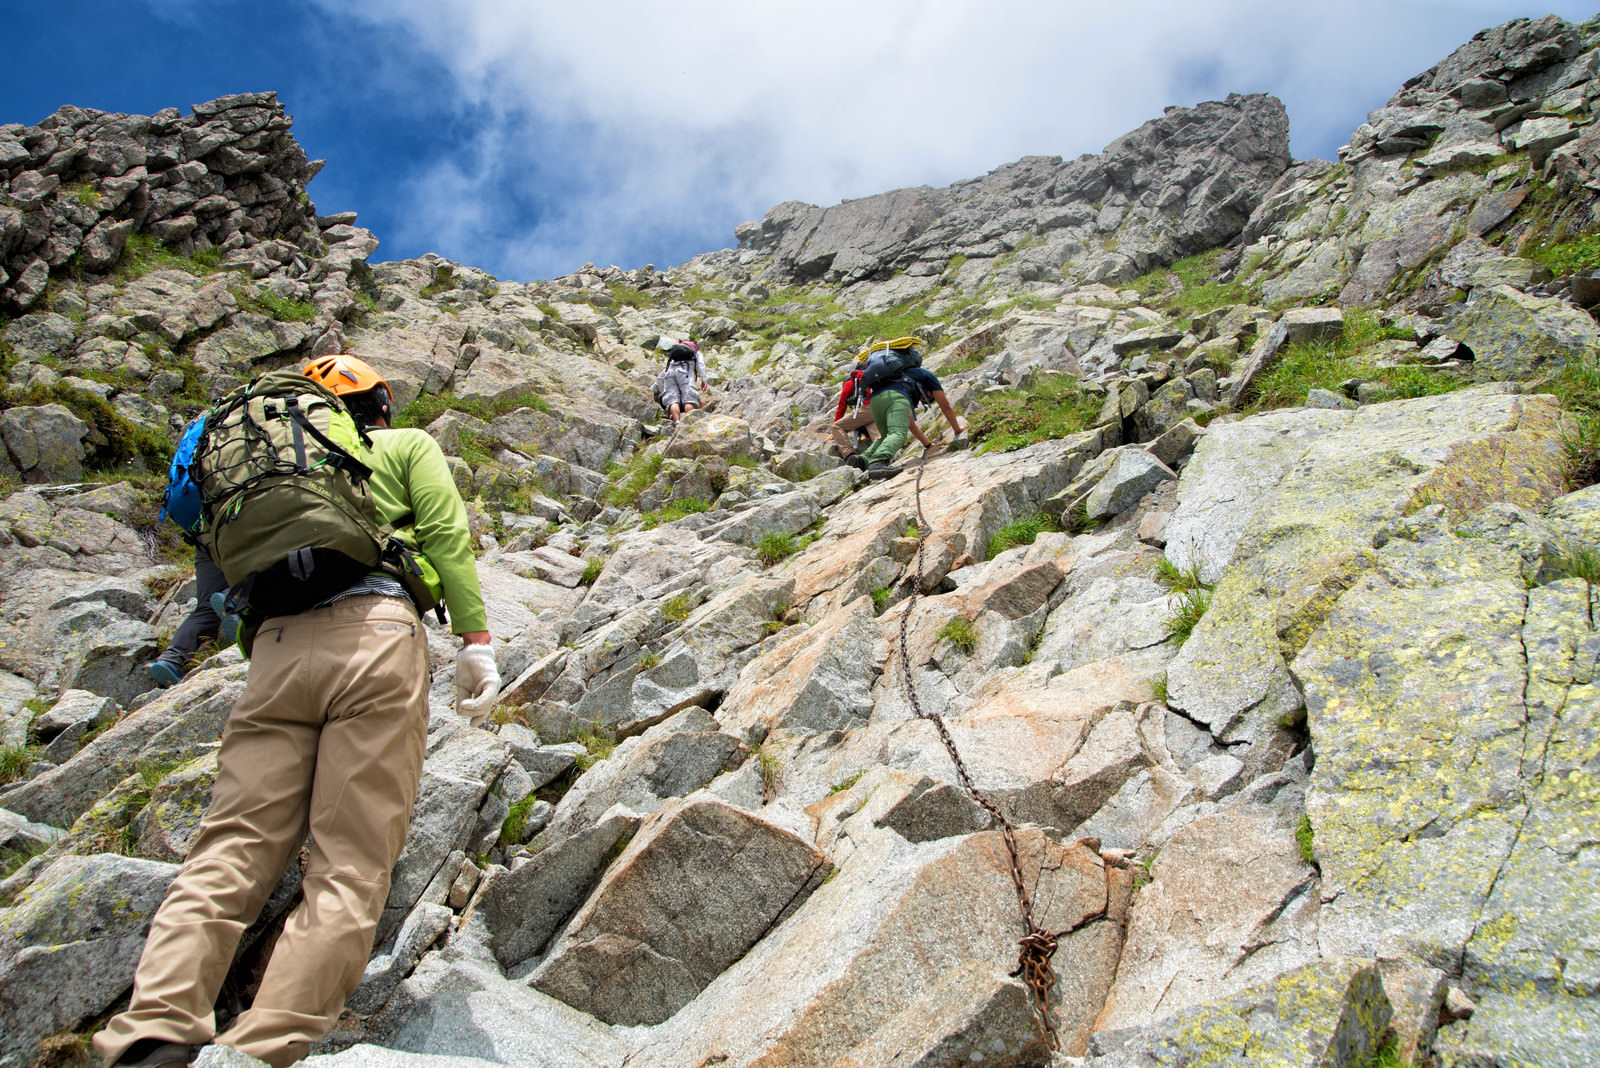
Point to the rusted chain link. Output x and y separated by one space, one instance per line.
1037 946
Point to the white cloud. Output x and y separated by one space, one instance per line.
650 119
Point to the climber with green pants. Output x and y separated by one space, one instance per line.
893 405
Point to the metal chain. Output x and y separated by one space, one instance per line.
1037 946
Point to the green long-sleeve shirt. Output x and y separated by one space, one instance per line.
411 486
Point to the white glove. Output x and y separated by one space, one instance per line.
477 682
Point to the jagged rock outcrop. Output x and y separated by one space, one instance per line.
1179 184
1448 161
77 185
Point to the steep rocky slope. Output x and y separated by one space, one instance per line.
1264 605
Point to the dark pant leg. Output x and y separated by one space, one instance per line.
203 622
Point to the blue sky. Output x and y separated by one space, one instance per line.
526 137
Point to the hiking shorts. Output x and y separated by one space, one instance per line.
677 387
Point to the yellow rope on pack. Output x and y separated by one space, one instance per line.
878 346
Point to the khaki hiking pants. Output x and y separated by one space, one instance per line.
327 737
843 430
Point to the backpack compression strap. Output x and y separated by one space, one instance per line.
337 456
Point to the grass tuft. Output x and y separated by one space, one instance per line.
516 820
1178 579
1188 287
775 548
591 570
845 784
268 303
1304 838
1309 365
1052 407
143 254
1567 257
598 743
66 1049
960 633
1185 613
15 760
771 771
1581 563
676 608
444 279
430 406
675 510
1577 387
776 623
1022 532
629 482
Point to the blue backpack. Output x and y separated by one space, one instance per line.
888 360
181 501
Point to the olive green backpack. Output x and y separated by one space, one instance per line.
286 511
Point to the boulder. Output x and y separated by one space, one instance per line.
523 907
165 731
1146 339
1508 888
1516 336
1133 474
465 1014
168 825
1312 324
74 709
1235 469
703 433
632 955
671 759
45 442
1310 541
426 924
1230 903
22 835
69 945
461 766
818 680
41 337
1539 137
111 658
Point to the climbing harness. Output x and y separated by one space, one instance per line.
1038 946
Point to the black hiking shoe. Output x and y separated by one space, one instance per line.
149 1053
855 461
879 469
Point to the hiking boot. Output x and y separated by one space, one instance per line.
855 461
148 1053
165 673
879 469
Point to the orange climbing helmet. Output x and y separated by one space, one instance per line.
362 388
344 374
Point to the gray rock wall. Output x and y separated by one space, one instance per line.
75 186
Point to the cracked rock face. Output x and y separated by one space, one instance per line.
1471 701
